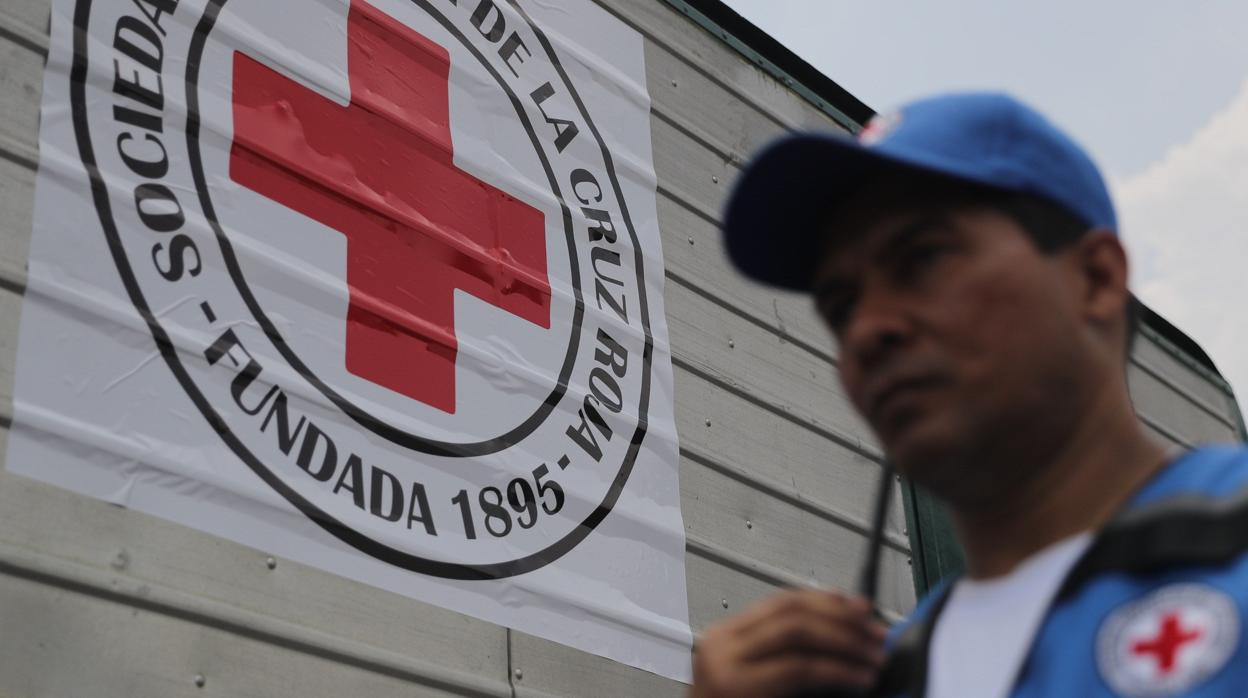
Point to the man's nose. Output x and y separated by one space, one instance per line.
879 326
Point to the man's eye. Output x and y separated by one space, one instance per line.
918 258
836 313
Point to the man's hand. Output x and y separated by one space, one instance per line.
795 642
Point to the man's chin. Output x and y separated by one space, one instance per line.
922 450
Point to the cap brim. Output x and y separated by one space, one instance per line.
774 217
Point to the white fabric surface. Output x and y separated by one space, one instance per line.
987 625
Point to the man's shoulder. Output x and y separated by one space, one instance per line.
1193 514
1208 481
1158 602
1181 542
1209 471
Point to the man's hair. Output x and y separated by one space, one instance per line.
1052 228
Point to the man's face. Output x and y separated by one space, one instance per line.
957 336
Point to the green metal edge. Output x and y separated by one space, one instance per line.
765 64
918 561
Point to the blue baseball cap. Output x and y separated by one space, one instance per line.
772 222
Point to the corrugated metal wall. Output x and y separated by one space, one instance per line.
776 472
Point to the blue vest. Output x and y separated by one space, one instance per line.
1157 605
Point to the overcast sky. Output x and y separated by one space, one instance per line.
1156 90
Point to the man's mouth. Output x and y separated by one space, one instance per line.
894 392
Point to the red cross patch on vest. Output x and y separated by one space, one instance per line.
1168 642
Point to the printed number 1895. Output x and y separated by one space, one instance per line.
522 499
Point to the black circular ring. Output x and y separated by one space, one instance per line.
390 432
366 545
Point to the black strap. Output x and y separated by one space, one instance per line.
905 672
1184 531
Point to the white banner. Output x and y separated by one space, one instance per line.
374 285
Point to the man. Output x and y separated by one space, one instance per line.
964 253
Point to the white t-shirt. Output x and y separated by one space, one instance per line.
986 628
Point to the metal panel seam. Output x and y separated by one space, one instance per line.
686 201
746 565
749 566
766 65
854 444
77 577
690 131
21 33
795 499
1182 357
779 331
1165 431
1184 393
756 569
18 152
1200 369
12 279
672 50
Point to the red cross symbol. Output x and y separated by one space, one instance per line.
1165 647
380 172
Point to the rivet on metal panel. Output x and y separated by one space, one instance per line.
732 344
199 680
724 602
788 80
749 524
518 674
905 531
121 560
270 562
673 83
690 241
715 179
708 422
909 561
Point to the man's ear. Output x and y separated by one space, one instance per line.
1101 263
